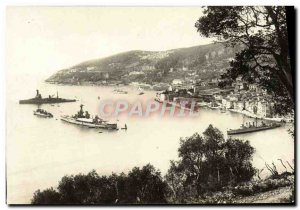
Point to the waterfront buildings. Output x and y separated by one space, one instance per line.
240 97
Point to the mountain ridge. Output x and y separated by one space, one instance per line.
201 62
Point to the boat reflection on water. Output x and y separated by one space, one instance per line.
84 119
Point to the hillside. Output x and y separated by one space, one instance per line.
150 67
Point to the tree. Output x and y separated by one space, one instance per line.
209 162
237 155
263 33
143 185
85 189
174 178
192 154
146 185
48 196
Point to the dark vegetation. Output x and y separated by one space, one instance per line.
140 185
235 194
207 163
265 59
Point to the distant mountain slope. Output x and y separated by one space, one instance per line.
204 62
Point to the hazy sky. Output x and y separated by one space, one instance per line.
42 40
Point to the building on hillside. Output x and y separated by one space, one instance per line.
177 82
253 87
148 67
261 107
136 73
73 70
184 68
90 68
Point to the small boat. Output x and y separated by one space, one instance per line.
202 104
223 109
214 105
83 118
120 91
253 128
140 91
125 127
42 113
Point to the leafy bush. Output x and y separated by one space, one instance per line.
252 188
208 163
143 185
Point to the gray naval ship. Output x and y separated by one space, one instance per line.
249 128
50 100
84 119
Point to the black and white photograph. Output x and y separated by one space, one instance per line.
137 105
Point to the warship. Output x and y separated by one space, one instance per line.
84 119
50 100
249 128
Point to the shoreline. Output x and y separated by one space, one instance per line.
250 115
244 112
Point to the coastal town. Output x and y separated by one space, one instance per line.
189 106
241 97
177 76
190 84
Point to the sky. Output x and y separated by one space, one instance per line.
43 40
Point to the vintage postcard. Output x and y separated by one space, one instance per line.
150 105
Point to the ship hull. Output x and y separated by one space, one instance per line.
251 130
90 125
42 115
46 101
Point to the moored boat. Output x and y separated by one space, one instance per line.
42 113
83 118
50 100
202 104
223 109
141 91
120 91
253 128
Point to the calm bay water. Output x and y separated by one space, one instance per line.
40 151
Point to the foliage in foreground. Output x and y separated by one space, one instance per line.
237 194
207 163
143 185
265 59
